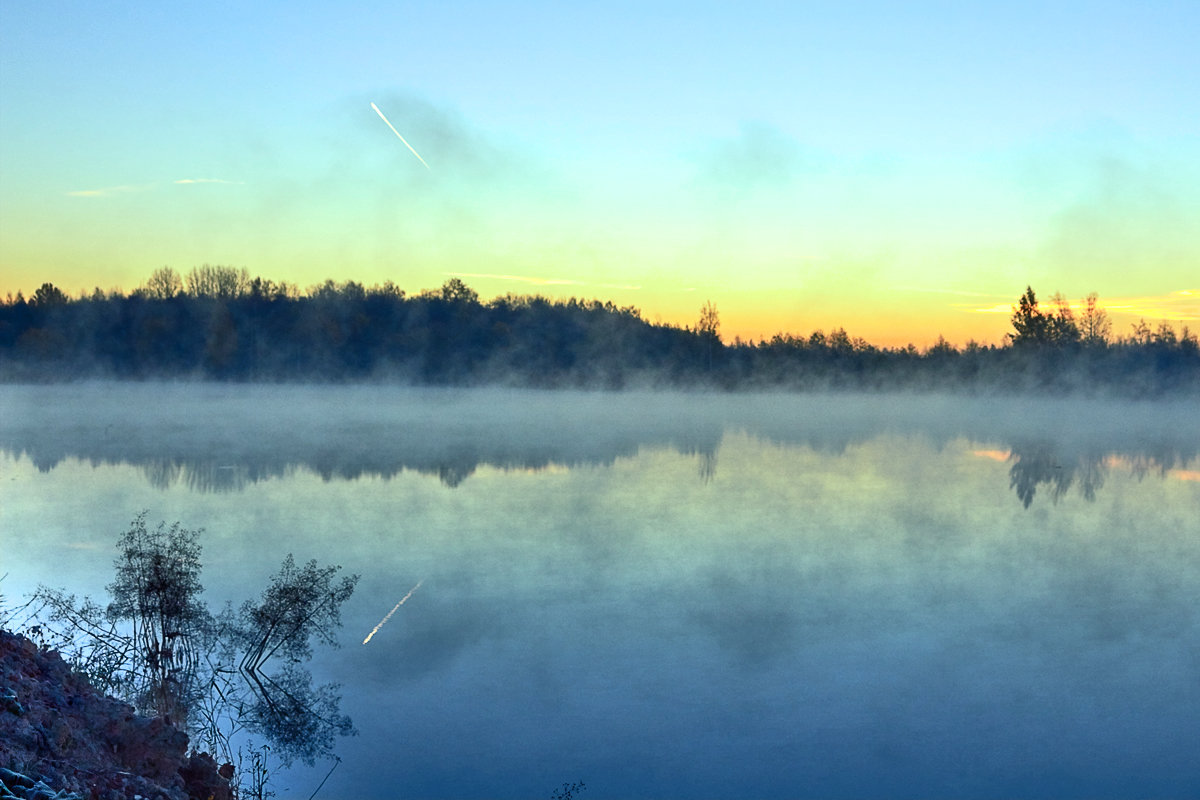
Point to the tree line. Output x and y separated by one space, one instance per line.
218 322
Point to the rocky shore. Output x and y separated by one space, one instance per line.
60 739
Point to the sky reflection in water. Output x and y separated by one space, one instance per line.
679 596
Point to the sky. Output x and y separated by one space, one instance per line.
902 170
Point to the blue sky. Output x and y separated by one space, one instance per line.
801 164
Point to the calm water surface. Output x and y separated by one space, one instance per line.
668 595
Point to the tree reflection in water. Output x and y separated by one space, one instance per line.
1039 465
220 677
1058 468
243 436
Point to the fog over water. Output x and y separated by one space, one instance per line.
217 437
667 594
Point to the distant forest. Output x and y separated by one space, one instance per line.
219 323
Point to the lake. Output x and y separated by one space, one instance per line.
674 595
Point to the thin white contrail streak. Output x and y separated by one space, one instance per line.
393 611
393 127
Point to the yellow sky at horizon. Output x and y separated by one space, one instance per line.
800 167
911 316
895 249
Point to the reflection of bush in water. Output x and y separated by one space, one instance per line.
157 646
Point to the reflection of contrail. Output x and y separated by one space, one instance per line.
383 621
393 127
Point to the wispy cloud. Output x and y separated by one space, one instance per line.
1181 306
759 155
186 181
110 191
518 278
129 188
540 281
955 292
457 146
996 308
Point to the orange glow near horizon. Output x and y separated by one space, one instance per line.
1178 306
994 455
892 319
874 326
1111 460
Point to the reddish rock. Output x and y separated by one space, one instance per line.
203 779
57 729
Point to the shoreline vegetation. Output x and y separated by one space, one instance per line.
219 323
193 686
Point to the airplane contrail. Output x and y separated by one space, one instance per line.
383 621
393 127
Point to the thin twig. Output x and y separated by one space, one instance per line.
336 761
